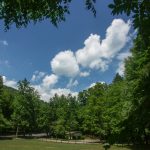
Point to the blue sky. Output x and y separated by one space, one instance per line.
81 51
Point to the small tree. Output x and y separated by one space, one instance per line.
106 146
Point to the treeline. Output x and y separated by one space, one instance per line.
118 112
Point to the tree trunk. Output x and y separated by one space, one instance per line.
17 130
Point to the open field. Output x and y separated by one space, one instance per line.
22 144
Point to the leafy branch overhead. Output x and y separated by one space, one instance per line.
22 12
138 9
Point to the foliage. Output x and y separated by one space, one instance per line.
26 106
106 146
5 108
140 12
137 126
22 12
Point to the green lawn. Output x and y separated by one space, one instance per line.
21 144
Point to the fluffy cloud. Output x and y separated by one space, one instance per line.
121 65
121 68
90 52
99 64
10 83
46 88
116 38
63 91
94 83
37 76
42 91
123 56
50 80
64 63
97 54
47 93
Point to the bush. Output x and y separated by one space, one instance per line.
106 146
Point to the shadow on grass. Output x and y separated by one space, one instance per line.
10 137
6 138
136 147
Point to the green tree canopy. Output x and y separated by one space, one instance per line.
22 12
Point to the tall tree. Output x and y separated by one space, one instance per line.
138 77
1 86
91 114
26 107
2 120
117 78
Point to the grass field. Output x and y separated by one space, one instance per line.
22 144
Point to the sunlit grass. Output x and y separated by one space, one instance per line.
22 144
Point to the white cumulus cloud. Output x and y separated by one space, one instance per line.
123 55
90 52
99 64
50 80
94 83
116 38
47 93
46 87
97 53
9 83
121 65
121 68
64 63
62 91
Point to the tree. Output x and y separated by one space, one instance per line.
22 12
71 122
118 105
2 119
26 107
1 87
6 99
117 78
90 115
137 74
44 118
58 109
